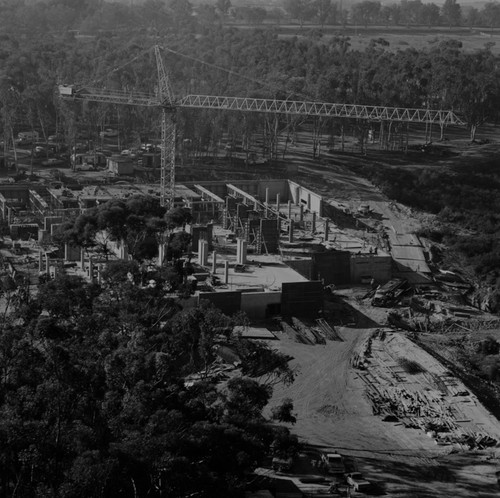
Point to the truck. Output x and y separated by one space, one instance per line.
389 293
333 463
356 481
28 136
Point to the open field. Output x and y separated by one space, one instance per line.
399 37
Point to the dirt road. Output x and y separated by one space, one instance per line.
334 412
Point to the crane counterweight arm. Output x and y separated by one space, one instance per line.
109 96
374 113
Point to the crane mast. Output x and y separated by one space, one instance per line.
165 100
168 133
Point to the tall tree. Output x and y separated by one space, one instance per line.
452 13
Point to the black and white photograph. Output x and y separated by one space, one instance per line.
249 248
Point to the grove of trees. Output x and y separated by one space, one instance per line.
95 399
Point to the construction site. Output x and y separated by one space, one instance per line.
330 272
306 268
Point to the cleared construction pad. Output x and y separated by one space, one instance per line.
437 440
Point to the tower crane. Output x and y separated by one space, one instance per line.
165 100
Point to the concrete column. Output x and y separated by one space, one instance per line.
289 210
241 251
301 218
66 251
226 272
202 252
47 267
40 261
290 231
91 270
214 262
82 259
313 228
327 230
278 202
267 203
161 253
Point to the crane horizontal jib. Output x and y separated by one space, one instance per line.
321 109
109 96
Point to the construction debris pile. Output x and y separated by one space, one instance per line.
298 331
403 390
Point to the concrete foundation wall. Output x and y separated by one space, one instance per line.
275 187
24 231
302 266
256 304
310 200
370 265
228 302
332 267
48 221
301 299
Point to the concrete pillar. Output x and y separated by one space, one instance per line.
226 271
313 227
91 270
82 259
278 202
47 267
40 261
327 230
241 251
66 251
202 252
267 203
214 262
289 210
301 218
290 231
161 253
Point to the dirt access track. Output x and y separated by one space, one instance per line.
333 403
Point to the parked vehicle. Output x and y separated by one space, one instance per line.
333 463
31 136
55 138
282 464
53 161
357 482
108 133
389 293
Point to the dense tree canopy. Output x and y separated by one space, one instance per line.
94 398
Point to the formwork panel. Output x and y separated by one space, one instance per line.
301 299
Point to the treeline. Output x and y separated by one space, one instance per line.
86 15
41 47
404 13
